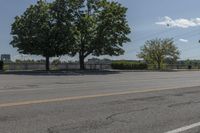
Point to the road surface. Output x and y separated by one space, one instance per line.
126 102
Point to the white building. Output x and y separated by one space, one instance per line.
6 57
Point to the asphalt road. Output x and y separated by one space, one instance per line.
128 102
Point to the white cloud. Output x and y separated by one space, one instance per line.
181 23
183 40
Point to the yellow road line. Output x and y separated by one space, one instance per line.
78 97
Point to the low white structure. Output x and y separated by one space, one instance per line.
6 57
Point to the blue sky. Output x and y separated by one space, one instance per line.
148 19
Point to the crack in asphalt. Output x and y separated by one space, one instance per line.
186 93
180 104
84 126
90 124
183 104
7 118
127 112
152 98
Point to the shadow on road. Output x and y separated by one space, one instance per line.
61 73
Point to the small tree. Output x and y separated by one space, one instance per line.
100 27
157 51
40 31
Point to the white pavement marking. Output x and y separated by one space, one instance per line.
185 128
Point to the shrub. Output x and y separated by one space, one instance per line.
125 65
1 65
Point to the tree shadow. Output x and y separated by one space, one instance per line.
61 73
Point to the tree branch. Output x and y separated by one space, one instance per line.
88 53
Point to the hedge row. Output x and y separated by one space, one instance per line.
123 65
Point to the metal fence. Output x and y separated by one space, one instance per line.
182 67
176 67
63 66
75 66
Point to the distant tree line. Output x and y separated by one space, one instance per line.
71 27
188 62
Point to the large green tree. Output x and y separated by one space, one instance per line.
43 30
157 51
100 27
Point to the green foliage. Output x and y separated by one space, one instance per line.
1 65
125 65
84 27
100 27
189 62
56 62
159 51
41 31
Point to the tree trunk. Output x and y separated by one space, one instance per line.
81 61
159 65
47 64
